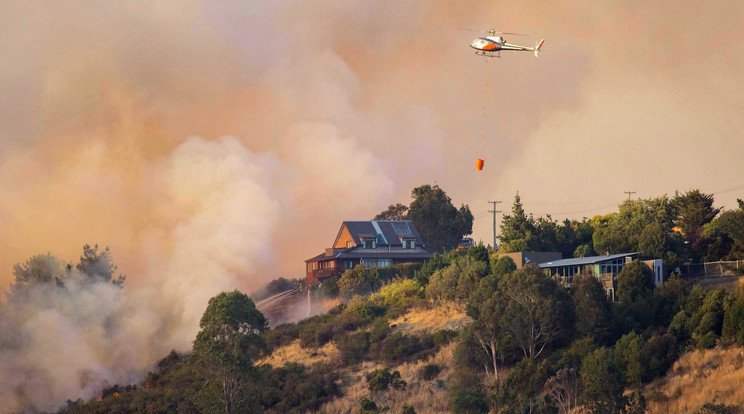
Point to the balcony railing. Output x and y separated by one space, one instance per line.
323 273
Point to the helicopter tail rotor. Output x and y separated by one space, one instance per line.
538 46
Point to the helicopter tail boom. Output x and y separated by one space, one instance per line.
538 46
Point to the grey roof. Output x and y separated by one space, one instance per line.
585 260
358 252
388 232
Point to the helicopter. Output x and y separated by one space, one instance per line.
492 45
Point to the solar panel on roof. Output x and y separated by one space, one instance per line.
402 229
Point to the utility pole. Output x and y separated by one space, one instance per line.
494 211
629 193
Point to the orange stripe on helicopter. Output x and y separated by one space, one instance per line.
490 46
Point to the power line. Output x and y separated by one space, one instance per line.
629 193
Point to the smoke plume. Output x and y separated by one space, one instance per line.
216 146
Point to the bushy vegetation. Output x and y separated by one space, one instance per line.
534 345
381 379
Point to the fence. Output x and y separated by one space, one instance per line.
712 269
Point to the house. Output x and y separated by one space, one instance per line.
522 258
605 268
378 243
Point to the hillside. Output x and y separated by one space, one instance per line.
714 377
425 395
466 333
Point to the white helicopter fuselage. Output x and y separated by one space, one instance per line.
492 45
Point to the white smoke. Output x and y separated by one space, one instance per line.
68 343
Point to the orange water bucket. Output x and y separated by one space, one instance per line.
479 164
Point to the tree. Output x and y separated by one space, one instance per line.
472 271
443 282
622 232
394 212
522 389
503 265
733 321
98 265
602 383
635 282
358 281
628 358
439 223
537 311
437 262
652 242
574 238
592 309
226 345
39 269
490 334
47 270
694 210
726 235
706 323
516 228
564 389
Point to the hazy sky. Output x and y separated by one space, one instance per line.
240 134
217 145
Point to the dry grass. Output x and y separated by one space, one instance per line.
729 283
294 353
445 316
423 395
700 377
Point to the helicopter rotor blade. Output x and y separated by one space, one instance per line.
494 32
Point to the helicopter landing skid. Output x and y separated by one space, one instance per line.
489 54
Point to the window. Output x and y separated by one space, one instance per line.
405 243
369 263
349 244
348 264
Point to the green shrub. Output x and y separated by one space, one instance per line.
503 265
381 379
443 336
361 311
423 274
358 281
296 388
367 406
733 322
353 347
281 335
408 409
398 346
316 334
468 400
399 295
658 354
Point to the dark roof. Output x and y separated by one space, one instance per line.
316 258
585 260
358 252
389 232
